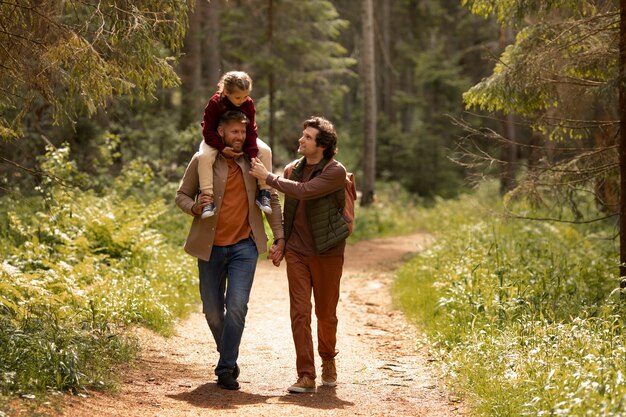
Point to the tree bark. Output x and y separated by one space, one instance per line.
368 69
191 72
271 81
384 60
212 65
508 155
622 145
509 147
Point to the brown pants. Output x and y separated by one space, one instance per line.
321 275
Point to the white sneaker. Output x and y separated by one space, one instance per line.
263 201
208 211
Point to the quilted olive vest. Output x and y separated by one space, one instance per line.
328 226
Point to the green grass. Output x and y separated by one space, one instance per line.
523 314
394 212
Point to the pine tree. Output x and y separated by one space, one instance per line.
562 75
74 56
370 113
291 51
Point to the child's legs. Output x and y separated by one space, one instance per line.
206 158
265 155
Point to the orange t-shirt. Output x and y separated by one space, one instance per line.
232 221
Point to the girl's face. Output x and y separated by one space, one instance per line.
237 97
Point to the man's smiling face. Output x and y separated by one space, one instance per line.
234 134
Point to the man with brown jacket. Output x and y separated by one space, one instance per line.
228 244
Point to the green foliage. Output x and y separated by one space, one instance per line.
79 270
522 313
394 212
431 63
562 68
75 56
429 52
515 10
559 79
532 73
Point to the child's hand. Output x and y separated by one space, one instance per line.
230 153
203 200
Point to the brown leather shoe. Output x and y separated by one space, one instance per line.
304 384
329 373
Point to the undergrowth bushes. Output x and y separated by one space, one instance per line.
524 315
394 212
78 270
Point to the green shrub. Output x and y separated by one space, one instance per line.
394 212
524 314
79 270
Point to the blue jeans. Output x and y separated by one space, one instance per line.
225 284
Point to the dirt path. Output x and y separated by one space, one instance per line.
380 370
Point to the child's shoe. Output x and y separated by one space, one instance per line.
263 201
208 211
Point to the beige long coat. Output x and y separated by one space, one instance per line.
202 232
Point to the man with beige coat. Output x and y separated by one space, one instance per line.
228 246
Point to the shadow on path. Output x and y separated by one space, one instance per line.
210 395
325 399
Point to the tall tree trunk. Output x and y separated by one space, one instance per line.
211 52
384 61
509 147
271 81
622 145
407 111
191 72
508 155
368 68
607 189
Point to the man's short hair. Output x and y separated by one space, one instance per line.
326 135
233 116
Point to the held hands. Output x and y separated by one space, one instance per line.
228 152
258 170
277 252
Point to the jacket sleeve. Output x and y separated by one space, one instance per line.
209 121
329 181
250 147
275 220
189 187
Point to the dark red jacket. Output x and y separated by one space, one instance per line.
214 109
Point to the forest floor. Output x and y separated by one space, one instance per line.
381 369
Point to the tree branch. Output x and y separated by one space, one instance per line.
37 173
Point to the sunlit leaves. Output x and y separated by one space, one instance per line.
547 61
75 56
78 269
515 10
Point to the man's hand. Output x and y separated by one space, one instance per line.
228 152
258 170
203 200
277 252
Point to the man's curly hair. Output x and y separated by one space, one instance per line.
326 135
